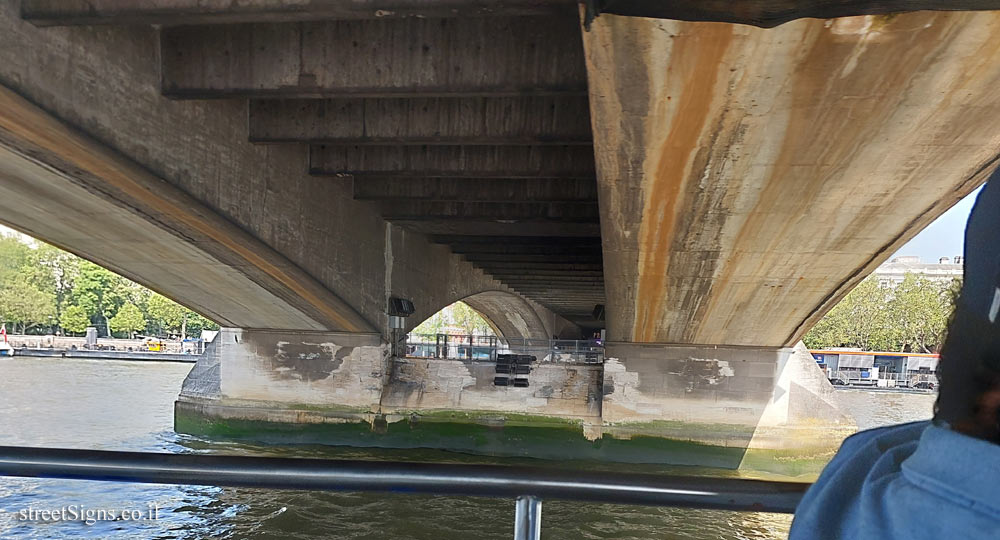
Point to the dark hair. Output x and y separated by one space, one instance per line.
969 367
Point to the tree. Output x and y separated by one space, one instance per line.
128 320
168 315
908 318
93 290
74 319
919 311
23 303
433 324
196 323
14 256
469 320
55 270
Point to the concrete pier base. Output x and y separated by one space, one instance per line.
751 398
765 409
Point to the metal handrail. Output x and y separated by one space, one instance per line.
530 484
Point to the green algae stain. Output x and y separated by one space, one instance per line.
494 434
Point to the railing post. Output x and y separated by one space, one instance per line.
527 518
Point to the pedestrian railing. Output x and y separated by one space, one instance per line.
486 348
529 486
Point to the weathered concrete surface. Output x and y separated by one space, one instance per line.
331 370
375 58
769 13
96 157
744 397
765 13
567 392
162 237
272 376
497 190
88 12
749 178
763 409
482 162
471 121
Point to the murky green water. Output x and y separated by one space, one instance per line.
129 406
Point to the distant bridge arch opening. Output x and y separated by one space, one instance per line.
506 315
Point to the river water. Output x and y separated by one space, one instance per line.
113 405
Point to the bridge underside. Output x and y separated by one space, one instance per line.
289 167
750 178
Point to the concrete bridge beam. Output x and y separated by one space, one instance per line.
766 13
375 58
407 210
458 161
419 121
497 190
176 12
112 210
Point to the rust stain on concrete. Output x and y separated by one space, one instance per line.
841 99
33 125
696 58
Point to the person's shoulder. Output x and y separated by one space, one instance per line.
883 438
832 503
864 448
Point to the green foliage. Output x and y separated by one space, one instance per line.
165 314
196 323
74 319
456 318
93 290
168 316
14 256
908 318
43 288
128 320
469 320
433 324
23 303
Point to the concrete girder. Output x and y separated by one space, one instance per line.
407 210
557 268
488 243
63 187
521 258
570 277
766 13
185 12
104 83
530 120
771 13
504 56
481 227
750 178
461 161
471 190
521 250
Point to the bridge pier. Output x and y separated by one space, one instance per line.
762 408
753 398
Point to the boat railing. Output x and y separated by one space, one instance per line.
528 486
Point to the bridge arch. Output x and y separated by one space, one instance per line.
509 315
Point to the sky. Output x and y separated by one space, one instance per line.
944 237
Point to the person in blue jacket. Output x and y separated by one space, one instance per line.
938 479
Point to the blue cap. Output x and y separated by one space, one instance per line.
981 285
